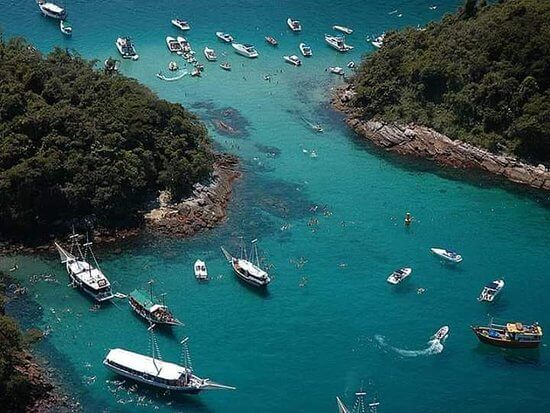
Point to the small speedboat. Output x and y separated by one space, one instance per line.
200 270
491 290
338 43
343 29
447 255
305 50
351 64
173 66
337 70
173 45
110 66
379 41
65 27
399 275
294 25
126 48
52 10
210 54
271 40
246 50
225 37
181 24
294 60
226 66
441 333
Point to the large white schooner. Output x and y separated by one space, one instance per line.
89 278
248 268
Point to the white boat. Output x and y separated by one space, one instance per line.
200 270
246 50
294 25
126 48
338 43
171 79
271 40
351 64
447 255
184 44
173 45
305 50
110 66
210 54
173 66
378 41
248 269
52 10
158 373
89 278
441 333
224 37
491 290
359 406
336 70
181 24
399 275
293 60
343 29
226 66
65 27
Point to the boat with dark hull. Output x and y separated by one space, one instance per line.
510 335
147 306
248 268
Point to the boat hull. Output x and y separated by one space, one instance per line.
82 286
498 342
247 279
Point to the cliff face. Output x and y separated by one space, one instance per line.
424 142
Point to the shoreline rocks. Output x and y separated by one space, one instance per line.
421 141
204 209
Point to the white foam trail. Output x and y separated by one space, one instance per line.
434 347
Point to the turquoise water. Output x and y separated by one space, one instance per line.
298 346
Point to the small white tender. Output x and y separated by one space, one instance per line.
399 275
200 270
447 255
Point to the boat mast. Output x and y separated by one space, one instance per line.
186 358
151 289
255 253
154 347
244 255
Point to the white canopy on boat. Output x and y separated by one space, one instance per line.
146 364
252 269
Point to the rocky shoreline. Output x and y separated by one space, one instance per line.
420 141
204 209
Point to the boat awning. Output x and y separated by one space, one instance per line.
54 8
145 364
143 299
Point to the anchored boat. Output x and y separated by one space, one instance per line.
491 290
343 29
52 10
181 24
510 335
271 40
224 37
126 48
294 25
441 333
378 41
399 275
293 60
65 27
201 273
158 373
447 254
153 310
305 50
338 43
246 50
210 54
89 278
247 269
359 406
173 45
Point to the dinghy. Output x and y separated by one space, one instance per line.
65 28
201 273
441 333
210 54
294 25
359 406
343 29
399 275
491 290
271 40
226 66
447 255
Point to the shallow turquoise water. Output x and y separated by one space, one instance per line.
296 348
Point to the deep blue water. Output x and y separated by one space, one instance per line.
297 347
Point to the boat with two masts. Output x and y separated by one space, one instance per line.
305 50
338 43
181 24
248 268
150 308
126 48
510 335
293 60
399 275
224 37
246 50
52 10
491 290
294 25
155 372
359 406
84 275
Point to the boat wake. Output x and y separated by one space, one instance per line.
435 346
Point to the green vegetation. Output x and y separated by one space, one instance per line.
76 143
481 75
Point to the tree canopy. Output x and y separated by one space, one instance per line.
76 143
481 75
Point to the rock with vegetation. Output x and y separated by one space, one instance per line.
79 145
481 75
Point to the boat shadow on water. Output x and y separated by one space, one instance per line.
262 292
528 357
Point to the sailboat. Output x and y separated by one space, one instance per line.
153 371
88 277
147 306
248 268
359 405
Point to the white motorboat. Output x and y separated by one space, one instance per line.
246 50
271 40
248 268
305 50
181 24
224 37
200 270
294 25
210 54
52 10
126 48
447 255
343 29
89 278
399 275
226 66
491 290
337 70
173 45
441 333
293 60
378 41
184 44
338 43
65 28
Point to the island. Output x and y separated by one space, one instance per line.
470 91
